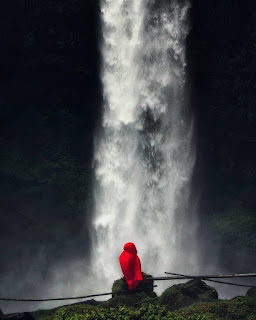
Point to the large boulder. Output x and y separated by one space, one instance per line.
184 294
251 292
17 316
120 287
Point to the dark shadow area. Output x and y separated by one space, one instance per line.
222 68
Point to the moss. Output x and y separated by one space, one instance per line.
235 228
182 295
120 287
251 292
240 308
43 314
132 300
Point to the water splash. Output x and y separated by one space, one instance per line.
143 156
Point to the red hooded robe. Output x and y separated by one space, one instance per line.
130 265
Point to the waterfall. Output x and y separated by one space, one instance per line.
144 155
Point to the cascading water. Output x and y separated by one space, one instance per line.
143 154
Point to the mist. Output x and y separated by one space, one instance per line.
52 129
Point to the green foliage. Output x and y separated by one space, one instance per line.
132 300
48 158
148 311
240 308
43 314
235 227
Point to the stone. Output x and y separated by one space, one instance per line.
120 287
185 294
251 292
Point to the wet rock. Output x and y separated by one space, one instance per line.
120 287
130 300
184 294
251 292
92 302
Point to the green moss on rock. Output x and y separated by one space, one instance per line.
251 292
120 287
138 307
131 300
182 295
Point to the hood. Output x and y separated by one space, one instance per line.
130 247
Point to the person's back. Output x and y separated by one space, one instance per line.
130 265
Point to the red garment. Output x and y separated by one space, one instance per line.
130 265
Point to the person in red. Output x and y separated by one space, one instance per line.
130 265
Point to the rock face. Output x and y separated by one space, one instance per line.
251 292
120 287
182 295
17 316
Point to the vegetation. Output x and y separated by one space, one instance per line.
240 308
47 100
222 67
235 228
191 300
225 103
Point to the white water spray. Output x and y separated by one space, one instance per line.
143 155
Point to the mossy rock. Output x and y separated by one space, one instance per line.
185 294
251 292
120 287
132 300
